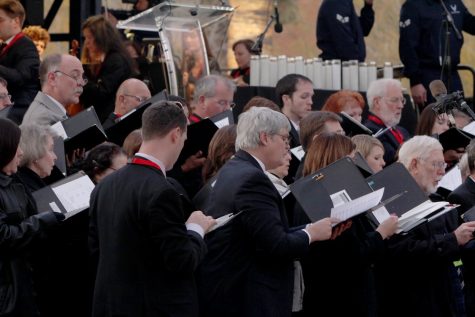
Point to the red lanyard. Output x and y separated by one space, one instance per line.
13 41
141 161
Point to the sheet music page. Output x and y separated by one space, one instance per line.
470 128
357 206
222 123
381 214
59 129
75 195
422 210
452 179
298 152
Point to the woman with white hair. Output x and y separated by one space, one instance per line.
39 158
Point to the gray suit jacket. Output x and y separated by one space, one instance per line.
43 111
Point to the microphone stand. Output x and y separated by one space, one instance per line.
446 63
257 47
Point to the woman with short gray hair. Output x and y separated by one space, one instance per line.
38 158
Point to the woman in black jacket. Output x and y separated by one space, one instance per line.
20 227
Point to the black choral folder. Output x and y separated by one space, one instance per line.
74 201
313 191
454 138
82 131
396 179
199 134
132 120
351 126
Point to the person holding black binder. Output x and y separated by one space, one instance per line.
249 270
343 266
421 269
144 248
22 227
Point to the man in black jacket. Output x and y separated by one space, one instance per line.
340 32
145 253
421 44
19 60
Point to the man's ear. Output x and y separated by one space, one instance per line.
175 134
263 138
414 165
286 99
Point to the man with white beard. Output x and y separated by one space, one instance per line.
423 268
385 102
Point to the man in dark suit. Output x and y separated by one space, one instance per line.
464 195
249 267
419 269
385 102
62 80
19 60
146 254
294 93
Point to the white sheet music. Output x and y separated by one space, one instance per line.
298 152
357 206
59 129
381 214
452 179
222 123
75 195
221 221
470 128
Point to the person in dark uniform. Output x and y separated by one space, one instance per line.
340 32
421 44
19 59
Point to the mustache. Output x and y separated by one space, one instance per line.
78 91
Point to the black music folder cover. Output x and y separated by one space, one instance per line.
454 138
82 131
414 206
351 126
132 120
68 196
336 184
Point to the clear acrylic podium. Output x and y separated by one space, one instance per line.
180 30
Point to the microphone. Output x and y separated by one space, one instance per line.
278 26
446 102
437 89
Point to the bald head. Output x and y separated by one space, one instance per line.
131 93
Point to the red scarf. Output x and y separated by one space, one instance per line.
395 131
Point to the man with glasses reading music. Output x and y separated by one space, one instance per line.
62 81
213 94
385 102
131 93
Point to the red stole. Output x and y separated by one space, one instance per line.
395 132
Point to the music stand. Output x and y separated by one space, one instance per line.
173 22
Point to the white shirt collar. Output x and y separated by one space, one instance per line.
154 160
296 125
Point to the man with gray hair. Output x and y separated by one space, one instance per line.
385 102
421 264
464 195
213 94
249 268
62 81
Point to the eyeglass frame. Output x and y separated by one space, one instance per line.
436 165
138 98
83 77
392 100
285 138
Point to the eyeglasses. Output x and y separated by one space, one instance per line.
4 96
138 98
395 100
285 138
77 78
225 103
440 165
